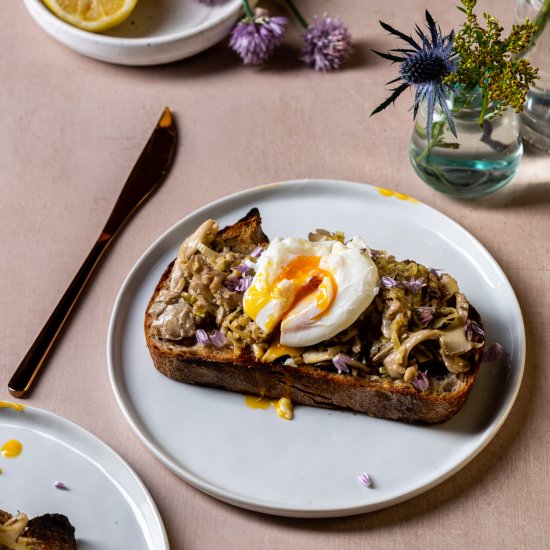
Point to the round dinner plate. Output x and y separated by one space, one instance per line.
309 467
105 500
156 31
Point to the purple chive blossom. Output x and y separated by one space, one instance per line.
473 328
496 352
243 268
236 284
421 381
255 39
232 282
425 314
341 362
257 252
365 480
244 283
436 272
201 336
60 485
217 339
327 43
414 285
389 282
212 2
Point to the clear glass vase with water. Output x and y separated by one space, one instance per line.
535 117
482 158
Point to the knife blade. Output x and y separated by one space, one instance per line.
146 176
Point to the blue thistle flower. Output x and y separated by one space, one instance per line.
424 65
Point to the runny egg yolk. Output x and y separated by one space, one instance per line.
306 279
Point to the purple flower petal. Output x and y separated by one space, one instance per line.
212 2
257 252
341 362
496 352
414 285
255 40
421 381
243 268
426 314
389 282
327 43
436 272
244 283
473 328
201 336
217 339
232 282
60 485
365 480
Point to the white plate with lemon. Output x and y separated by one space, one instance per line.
136 32
310 466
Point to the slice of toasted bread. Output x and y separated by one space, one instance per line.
240 371
45 532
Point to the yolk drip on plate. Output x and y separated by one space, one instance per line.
283 406
11 448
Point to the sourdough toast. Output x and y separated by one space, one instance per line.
45 532
249 363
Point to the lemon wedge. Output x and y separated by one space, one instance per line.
92 15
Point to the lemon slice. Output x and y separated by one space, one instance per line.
92 15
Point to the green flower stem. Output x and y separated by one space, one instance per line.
248 10
540 21
292 7
484 105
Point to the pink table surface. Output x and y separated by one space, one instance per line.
70 131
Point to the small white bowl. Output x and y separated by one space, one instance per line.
158 31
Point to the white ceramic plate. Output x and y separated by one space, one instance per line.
157 31
309 467
107 503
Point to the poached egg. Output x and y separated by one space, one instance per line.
311 291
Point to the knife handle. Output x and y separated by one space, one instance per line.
27 371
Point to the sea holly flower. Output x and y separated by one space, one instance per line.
256 36
327 41
425 63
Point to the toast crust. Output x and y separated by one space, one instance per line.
373 395
45 532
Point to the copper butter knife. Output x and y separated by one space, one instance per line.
148 173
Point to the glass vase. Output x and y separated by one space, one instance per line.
482 158
535 117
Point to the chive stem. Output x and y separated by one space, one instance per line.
292 7
248 10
